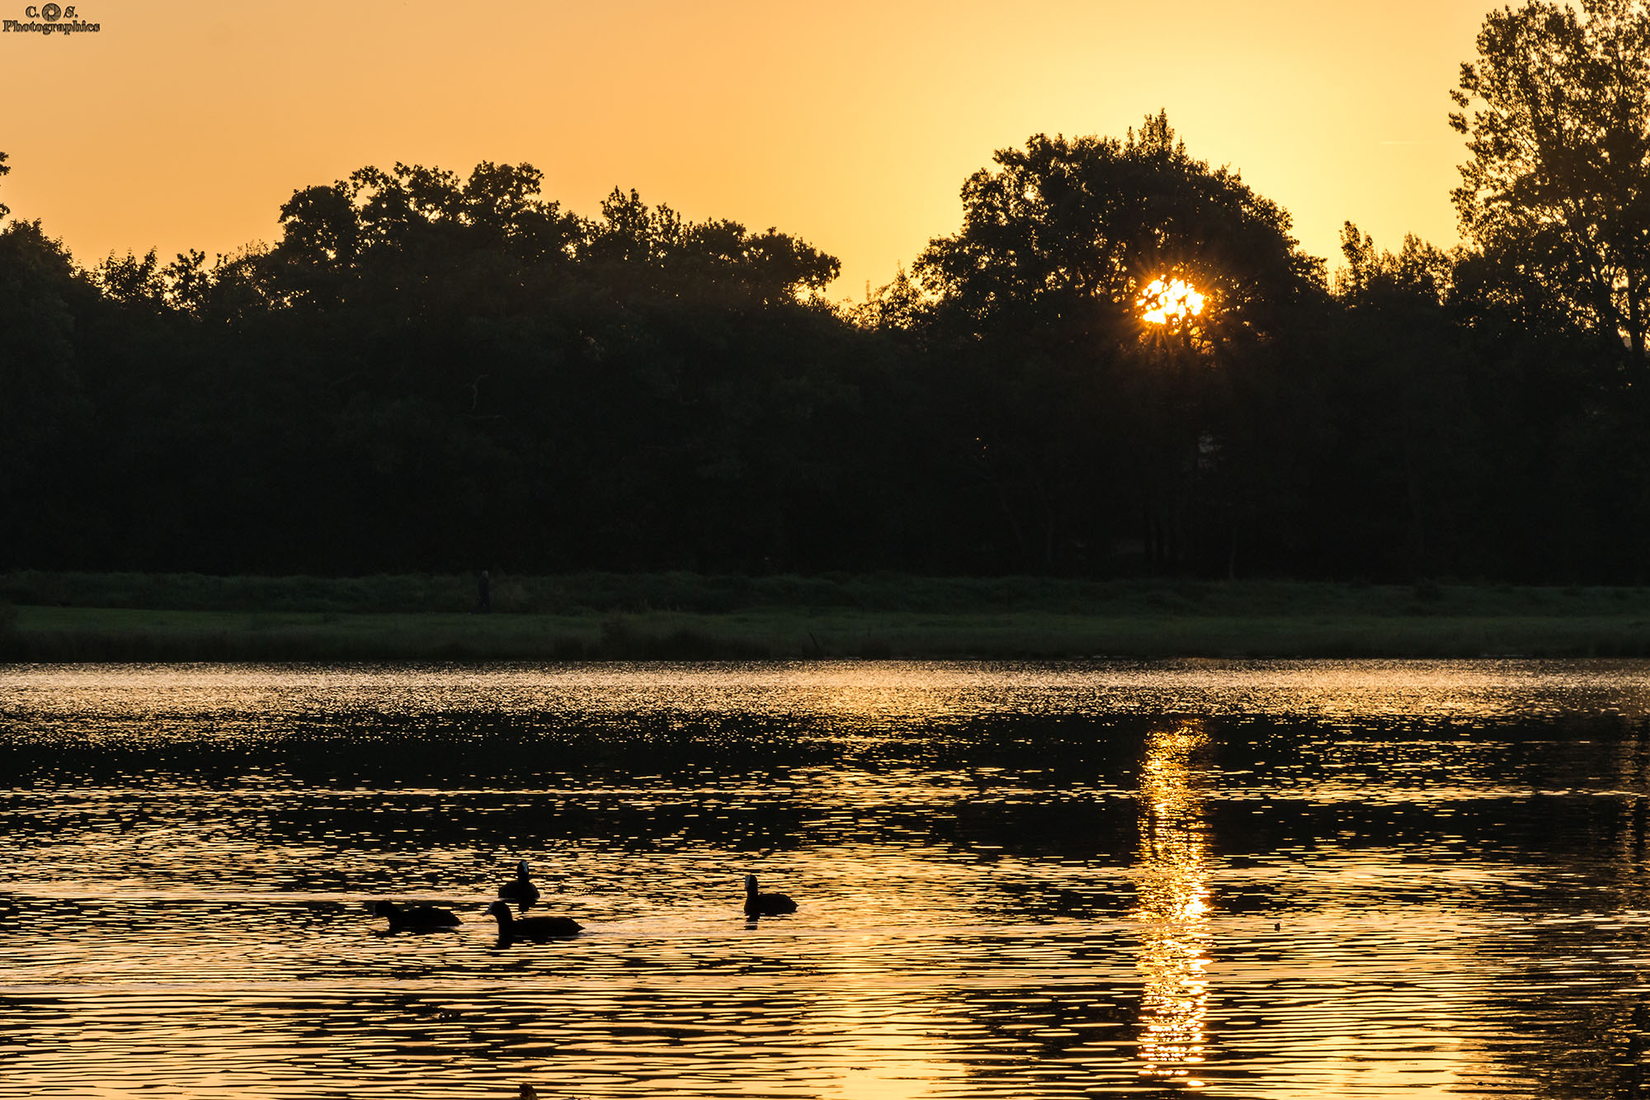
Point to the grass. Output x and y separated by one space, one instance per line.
97 617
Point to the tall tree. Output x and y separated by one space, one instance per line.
1088 430
41 397
1557 188
1074 229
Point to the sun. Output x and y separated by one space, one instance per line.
1169 302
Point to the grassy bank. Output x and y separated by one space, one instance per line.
74 617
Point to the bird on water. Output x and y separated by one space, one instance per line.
415 918
520 889
758 904
511 927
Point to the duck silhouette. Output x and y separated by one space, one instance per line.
415 918
520 889
758 904
511 927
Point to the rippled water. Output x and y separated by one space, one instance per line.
1305 879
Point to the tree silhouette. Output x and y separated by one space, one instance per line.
1557 188
1082 431
1073 229
439 371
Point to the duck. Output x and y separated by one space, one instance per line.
765 905
511 927
415 918
519 889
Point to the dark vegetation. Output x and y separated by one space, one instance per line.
435 374
596 594
149 616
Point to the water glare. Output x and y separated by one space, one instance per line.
1038 881
1172 885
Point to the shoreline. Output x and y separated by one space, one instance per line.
683 616
56 634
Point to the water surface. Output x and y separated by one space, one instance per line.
1259 879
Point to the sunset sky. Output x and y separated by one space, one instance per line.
851 124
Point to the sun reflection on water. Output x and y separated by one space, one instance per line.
1172 906
193 851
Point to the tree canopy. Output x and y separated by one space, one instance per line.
1050 377
433 371
1073 229
1556 190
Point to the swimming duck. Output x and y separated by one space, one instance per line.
519 889
765 905
511 927
414 918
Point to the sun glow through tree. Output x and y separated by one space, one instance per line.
1169 302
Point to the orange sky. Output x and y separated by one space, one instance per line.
849 124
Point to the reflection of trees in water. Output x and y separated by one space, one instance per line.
1631 760
392 783
486 1034
1537 824
1593 798
1172 890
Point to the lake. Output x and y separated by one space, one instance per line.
1228 879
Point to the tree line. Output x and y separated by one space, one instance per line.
430 372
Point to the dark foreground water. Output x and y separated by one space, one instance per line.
1331 879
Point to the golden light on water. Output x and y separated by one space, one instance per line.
1169 302
1172 887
